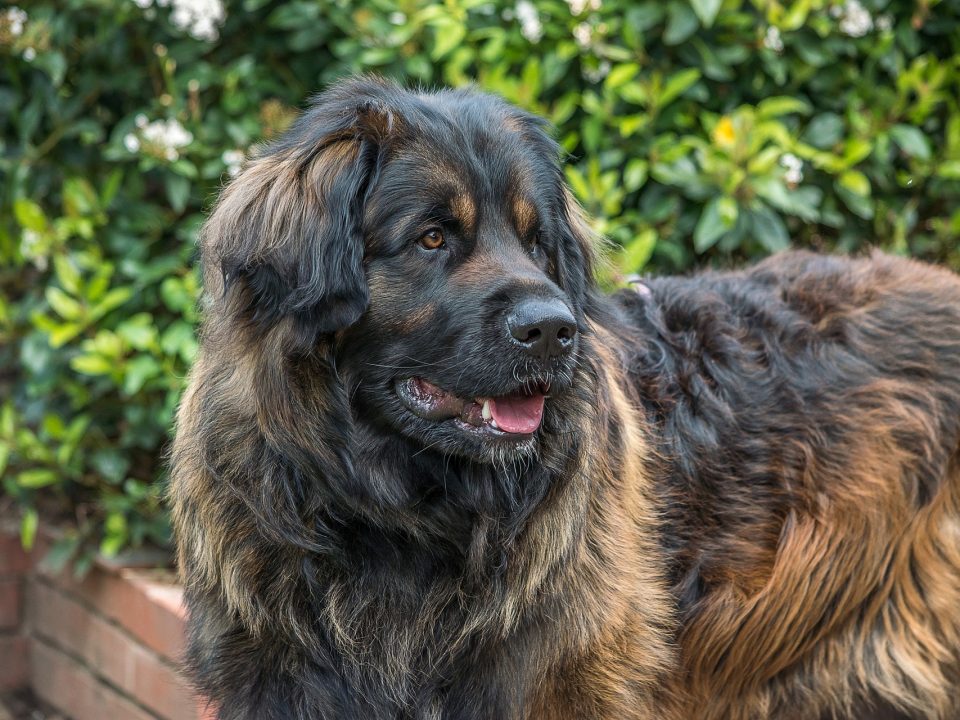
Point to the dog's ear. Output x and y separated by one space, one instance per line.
285 239
578 252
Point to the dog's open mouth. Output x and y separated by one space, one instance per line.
518 414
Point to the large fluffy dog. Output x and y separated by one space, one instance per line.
425 470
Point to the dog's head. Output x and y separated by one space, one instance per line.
430 240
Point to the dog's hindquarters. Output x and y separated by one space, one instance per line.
809 412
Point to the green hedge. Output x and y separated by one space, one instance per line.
698 131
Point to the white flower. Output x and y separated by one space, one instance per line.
29 239
577 6
398 18
29 54
169 133
595 76
583 34
530 25
884 23
856 20
233 159
141 120
200 18
31 247
772 39
16 19
794 168
163 138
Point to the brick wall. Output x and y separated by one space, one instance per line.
14 567
103 648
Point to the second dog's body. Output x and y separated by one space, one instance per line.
808 414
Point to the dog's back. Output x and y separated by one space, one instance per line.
808 413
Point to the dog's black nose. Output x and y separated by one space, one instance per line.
543 328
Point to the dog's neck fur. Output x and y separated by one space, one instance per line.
459 573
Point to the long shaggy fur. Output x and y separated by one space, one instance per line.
743 501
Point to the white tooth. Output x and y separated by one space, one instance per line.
487 415
493 424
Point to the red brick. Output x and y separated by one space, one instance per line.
151 611
10 603
14 661
111 653
13 559
72 689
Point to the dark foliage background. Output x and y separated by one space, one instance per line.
698 131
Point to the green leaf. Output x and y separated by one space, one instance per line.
137 372
116 533
804 202
8 420
825 130
682 22
718 217
729 211
448 34
621 75
138 331
635 174
632 123
578 183
706 10
112 544
112 300
782 105
912 141
856 182
79 197
55 65
643 16
178 191
677 84
37 478
179 339
636 254
111 464
92 365
67 273
29 215
111 186
769 230
65 306
859 205
28 528
63 334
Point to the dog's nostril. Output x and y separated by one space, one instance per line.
533 335
565 333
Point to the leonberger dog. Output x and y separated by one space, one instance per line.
426 470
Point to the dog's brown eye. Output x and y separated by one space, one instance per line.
432 239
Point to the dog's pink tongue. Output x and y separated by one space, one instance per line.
517 413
